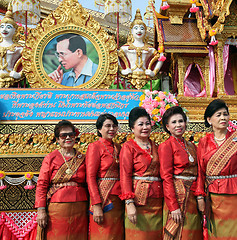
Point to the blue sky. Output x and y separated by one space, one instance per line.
141 4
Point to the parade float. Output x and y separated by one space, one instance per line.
190 61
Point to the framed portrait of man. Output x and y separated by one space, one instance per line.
70 59
68 50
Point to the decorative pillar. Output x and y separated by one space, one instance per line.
220 69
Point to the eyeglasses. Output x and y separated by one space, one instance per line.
111 126
69 134
61 54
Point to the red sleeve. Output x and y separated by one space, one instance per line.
126 172
43 182
92 168
200 190
167 171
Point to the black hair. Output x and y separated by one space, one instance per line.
213 107
169 113
63 124
101 119
75 42
136 113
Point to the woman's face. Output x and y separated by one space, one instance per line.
66 137
108 130
219 120
142 128
176 125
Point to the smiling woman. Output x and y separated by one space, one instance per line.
61 195
217 176
140 180
179 172
102 169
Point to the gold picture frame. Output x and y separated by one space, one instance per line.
69 18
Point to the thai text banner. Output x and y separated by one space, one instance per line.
48 104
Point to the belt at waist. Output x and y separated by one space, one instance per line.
71 184
222 177
185 177
148 178
111 179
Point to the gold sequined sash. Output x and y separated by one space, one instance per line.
221 157
142 186
182 189
106 184
62 177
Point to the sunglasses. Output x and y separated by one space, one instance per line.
64 135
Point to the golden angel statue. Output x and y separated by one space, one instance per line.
10 52
139 62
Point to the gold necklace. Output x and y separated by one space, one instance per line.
190 157
69 170
114 155
148 147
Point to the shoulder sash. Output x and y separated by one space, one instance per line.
62 177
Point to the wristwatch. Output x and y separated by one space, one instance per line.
128 201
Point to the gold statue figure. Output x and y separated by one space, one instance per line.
10 52
139 62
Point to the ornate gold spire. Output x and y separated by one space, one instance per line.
138 20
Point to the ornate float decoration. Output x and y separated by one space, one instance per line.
201 50
41 56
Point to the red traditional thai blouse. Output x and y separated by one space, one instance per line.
173 161
98 161
206 148
50 165
135 161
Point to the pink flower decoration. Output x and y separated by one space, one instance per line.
162 111
161 95
28 175
164 7
3 187
194 9
29 187
213 43
157 100
162 58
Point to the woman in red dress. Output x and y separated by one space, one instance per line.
140 180
102 169
179 172
61 194
217 175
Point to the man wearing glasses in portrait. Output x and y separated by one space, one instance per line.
71 54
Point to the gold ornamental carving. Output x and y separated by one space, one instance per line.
69 18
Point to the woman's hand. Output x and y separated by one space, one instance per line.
177 216
42 218
132 213
201 205
98 215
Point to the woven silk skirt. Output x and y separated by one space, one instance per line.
149 221
66 221
112 227
192 228
223 217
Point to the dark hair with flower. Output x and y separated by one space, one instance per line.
156 103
